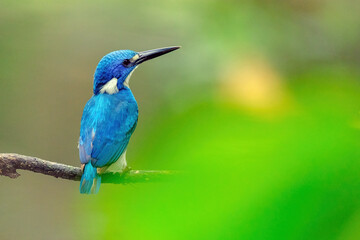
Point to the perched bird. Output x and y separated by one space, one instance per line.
110 116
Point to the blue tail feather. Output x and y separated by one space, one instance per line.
90 180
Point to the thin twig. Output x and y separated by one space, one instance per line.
10 162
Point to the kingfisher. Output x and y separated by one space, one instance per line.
110 116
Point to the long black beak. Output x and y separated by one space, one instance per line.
150 54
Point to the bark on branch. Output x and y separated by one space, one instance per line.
10 162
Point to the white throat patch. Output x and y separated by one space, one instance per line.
126 82
110 87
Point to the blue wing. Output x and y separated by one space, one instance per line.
106 127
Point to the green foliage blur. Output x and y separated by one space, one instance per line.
259 111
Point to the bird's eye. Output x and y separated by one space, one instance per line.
126 62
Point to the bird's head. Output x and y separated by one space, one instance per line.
114 69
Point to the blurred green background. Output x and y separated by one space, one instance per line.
259 109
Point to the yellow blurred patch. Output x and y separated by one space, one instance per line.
254 86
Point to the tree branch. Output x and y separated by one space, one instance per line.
10 162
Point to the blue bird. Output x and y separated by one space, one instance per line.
110 116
